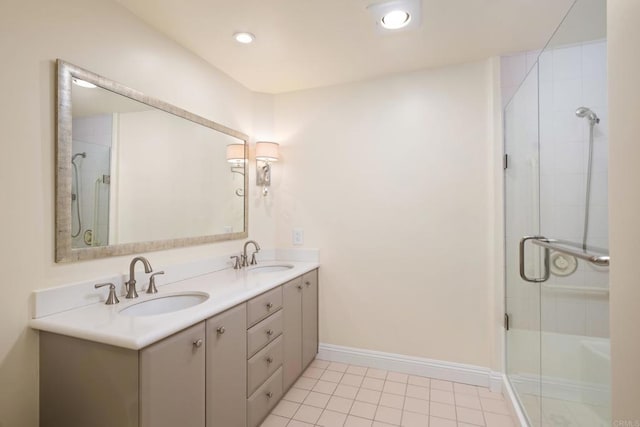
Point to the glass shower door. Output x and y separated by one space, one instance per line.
558 353
522 218
575 361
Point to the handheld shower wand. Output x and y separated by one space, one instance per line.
584 112
589 114
76 196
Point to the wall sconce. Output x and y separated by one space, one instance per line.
266 152
235 156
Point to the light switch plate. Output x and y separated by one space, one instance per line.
298 236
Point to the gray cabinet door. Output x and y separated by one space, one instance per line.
172 380
292 331
309 317
227 368
84 383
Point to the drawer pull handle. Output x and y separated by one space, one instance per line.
269 306
269 360
221 330
269 332
198 343
269 395
308 283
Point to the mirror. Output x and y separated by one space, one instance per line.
135 174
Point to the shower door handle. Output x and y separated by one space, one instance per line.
547 271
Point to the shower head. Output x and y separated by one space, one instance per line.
83 155
590 115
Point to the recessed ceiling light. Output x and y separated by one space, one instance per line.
83 83
395 19
244 38
393 16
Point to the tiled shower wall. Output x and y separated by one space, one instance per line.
568 77
93 136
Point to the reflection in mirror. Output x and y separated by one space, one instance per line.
138 174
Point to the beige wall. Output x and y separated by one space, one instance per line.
394 180
624 208
103 37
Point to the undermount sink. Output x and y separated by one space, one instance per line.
165 304
270 268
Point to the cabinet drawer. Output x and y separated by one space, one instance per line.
263 365
263 333
263 305
264 399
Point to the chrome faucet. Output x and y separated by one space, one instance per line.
236 264
131 284
253 257
152 289
112 298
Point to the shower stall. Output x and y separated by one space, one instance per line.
557 287
90 180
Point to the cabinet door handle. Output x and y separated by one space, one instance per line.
299 286
269 360
269 332
269 306
308 283
221 330
198 343
269 395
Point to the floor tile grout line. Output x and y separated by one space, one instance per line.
455 406
404 402
378 404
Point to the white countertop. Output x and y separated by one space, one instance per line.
226 288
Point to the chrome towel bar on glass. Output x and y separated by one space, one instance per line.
547 272
562 246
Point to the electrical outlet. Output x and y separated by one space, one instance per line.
298 236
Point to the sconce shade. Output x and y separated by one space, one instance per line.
235 153
267 151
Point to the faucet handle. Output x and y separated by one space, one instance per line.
236 265
152 283
130 286
112 298
253 258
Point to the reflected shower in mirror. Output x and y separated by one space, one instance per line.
137 174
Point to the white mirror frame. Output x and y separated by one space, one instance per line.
64 250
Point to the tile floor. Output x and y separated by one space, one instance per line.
334 394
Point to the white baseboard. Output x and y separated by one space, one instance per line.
449 371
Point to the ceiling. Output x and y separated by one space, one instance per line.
302 44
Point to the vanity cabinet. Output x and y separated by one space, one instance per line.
226 368
300 301
227 371
84 383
